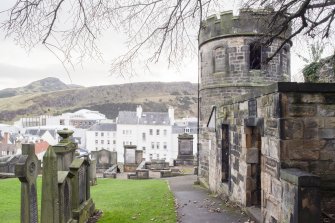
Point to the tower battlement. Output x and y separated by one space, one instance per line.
248 22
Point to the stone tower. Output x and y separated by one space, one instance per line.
232 62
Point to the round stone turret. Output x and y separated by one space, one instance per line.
232 59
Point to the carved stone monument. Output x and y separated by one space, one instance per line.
185 150
26 170
132 158
104 159
65 184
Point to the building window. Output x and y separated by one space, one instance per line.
102 141
102 134
96 141
187 130
255 56
157 145
150 132
150 156
165 132
96 148
124 132
96 133
165 145
143 148
114 142
157 132
152 145
157 156
143 136
108 142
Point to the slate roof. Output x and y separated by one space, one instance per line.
179 129
103 127
127 117
40 132
147 118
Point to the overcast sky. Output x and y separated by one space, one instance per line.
19 68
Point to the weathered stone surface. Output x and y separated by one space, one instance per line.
26 170
252 155
302 110
291 128
50 197
326 110
299 177
327 133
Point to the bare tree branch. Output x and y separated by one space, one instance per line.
155 29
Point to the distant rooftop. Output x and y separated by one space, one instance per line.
103 127
147 118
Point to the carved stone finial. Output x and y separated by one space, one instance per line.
65 134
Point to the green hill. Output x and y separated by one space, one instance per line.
109 100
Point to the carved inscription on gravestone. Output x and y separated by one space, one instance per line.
186 148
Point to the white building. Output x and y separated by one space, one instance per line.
149 131
83 119
101 136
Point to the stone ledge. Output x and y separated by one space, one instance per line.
299 177
284 87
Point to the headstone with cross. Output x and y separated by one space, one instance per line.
26 170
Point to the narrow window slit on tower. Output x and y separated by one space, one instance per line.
255 56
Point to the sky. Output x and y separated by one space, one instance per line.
19 67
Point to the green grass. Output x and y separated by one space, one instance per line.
120 200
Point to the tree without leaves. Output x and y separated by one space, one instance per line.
155 28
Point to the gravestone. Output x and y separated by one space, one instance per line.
132 158
26 170
185 150
104 159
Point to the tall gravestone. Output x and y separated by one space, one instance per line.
65 184
185 150
50 198
26 170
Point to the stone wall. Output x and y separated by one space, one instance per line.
287 125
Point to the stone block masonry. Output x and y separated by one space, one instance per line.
290 136
232 64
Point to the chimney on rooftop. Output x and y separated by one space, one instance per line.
139 111
171 115
5 138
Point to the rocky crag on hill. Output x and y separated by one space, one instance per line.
50 96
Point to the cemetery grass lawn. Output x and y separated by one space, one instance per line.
120 200
134 201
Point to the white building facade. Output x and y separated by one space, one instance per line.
149 131
101 136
